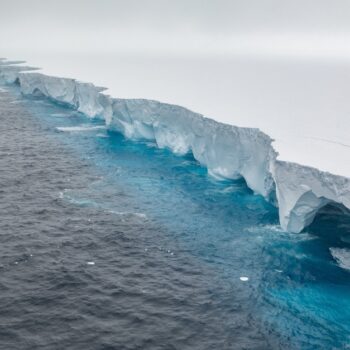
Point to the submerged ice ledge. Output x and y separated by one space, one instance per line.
227 151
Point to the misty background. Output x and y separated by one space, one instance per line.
282 66
269 27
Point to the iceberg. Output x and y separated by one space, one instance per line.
228 152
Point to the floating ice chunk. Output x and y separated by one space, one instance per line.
80 128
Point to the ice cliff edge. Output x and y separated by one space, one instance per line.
227 151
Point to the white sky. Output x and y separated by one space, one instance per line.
297 27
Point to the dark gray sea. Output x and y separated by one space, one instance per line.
107 243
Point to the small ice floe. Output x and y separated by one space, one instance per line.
244 278
341 256
263 228
80 128
90 263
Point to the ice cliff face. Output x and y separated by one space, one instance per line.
227 151
302 191
84 97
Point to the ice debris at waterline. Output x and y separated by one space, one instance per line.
227 151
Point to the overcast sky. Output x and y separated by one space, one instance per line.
266 27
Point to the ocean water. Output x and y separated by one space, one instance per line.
107 243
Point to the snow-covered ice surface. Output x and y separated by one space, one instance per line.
302 106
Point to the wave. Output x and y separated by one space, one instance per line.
341 256
123 213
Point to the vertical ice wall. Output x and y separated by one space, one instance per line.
84 97
227 151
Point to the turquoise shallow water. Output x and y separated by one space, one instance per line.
169 244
